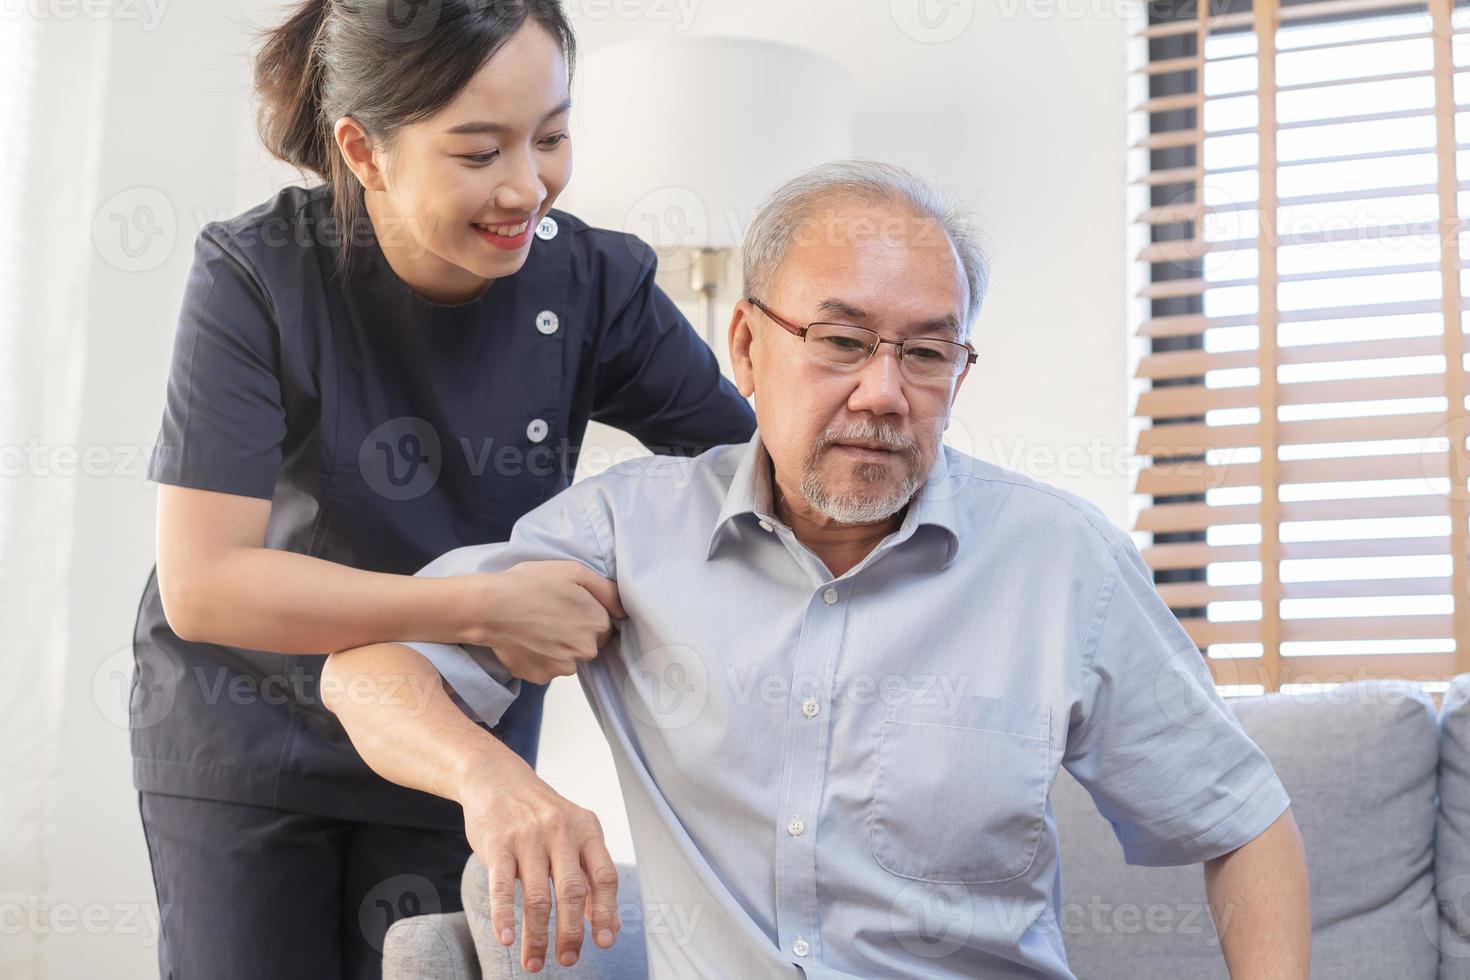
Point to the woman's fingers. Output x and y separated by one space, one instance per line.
604 590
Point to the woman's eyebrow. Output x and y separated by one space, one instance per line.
475 128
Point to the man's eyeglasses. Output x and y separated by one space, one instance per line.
923 360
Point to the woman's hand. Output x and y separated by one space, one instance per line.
522 828
542 618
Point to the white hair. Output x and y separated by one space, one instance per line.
780 220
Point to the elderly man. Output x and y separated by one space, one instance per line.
852 660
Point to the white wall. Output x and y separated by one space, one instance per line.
1020 113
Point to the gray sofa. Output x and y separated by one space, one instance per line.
1380 786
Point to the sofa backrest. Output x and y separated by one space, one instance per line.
1359 762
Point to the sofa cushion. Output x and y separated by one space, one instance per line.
1359 762
625 960
1452 848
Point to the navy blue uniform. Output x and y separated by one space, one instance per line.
385 430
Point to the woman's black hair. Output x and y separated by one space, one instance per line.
385 63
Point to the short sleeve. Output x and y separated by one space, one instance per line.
223 417
569 527
656 377
1161 754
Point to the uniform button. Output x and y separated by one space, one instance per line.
801 947
766 526
809 707
547 229
795 827
537 430
830 596
547 322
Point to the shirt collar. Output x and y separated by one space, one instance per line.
749 496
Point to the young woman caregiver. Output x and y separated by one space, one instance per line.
366 374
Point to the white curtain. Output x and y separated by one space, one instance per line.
51 72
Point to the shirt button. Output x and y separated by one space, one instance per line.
809 707
537 430
547 229
795 827
801 947
830 596
547 322
766 526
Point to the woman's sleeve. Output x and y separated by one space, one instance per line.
223 418
658 380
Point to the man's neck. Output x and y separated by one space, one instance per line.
840 546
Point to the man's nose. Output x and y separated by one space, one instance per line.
880 384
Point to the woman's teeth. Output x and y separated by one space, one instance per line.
505 231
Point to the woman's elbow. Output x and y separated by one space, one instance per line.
183 608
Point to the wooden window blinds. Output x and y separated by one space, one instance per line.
1299 180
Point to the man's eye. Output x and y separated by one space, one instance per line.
926 354
844 343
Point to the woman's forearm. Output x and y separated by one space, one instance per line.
265 599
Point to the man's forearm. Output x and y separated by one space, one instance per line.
1260 902
393 704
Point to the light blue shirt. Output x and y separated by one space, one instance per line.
850 775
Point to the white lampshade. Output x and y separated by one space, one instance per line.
678 140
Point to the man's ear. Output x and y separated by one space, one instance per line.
742 338
357 150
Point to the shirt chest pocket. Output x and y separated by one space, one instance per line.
959 793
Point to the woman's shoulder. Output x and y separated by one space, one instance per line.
292 220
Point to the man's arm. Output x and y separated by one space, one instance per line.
394 706
1259 899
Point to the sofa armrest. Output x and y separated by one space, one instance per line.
430 947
